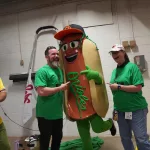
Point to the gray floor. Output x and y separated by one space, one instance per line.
110 143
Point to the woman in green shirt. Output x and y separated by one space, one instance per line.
130 106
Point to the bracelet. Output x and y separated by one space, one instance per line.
119 86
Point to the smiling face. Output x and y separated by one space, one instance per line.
71 47
118 56
53 58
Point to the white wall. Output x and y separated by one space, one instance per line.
105 36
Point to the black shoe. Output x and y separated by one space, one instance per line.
113 129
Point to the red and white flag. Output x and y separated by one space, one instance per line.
30 92
29 98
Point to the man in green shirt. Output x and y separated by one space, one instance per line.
49 108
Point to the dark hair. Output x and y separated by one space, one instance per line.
48 48
126 57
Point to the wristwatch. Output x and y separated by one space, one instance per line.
119 86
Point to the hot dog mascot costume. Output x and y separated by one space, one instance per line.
86 101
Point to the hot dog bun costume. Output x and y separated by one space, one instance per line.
86 100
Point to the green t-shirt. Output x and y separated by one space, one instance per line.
50 107
128 101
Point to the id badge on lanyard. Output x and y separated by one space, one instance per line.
128 115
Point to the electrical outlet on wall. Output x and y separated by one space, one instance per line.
140 62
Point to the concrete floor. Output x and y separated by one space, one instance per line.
110 143
113 143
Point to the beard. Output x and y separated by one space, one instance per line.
55 64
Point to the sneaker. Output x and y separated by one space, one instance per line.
113 128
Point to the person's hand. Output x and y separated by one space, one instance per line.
113 86
64 86
91 74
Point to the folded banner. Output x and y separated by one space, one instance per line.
30 92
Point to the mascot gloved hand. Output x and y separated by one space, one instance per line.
91 74
85 102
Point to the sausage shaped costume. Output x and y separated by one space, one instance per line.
86 100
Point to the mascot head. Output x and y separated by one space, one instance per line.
71 40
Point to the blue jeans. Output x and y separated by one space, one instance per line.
138 125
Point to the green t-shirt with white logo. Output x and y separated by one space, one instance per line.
50 107
128 101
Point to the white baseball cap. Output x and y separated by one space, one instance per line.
117 47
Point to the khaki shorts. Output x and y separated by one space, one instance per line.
4 142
